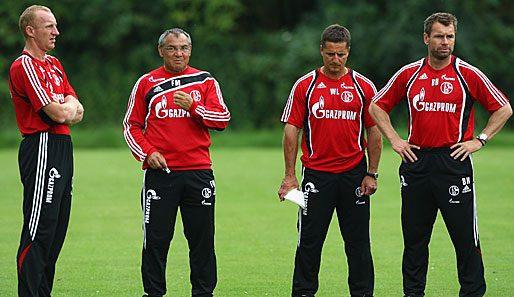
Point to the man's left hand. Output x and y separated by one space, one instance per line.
368 186
182 100
464 149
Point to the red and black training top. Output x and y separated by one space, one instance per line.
440 102
154 123
333 114
35 84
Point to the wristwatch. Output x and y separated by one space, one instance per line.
482 137
373 175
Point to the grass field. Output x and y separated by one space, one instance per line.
255 234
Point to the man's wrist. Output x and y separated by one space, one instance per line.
483 138
193 106
290 175
372 174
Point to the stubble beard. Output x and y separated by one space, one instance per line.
439 56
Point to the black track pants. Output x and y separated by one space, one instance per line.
46 171
438 182
193 191
325 192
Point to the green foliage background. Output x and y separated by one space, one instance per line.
255 49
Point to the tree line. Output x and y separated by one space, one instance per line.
255 49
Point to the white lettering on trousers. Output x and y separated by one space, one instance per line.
53 174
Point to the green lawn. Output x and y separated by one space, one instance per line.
255 234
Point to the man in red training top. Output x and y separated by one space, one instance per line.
169 114
331 105
437 169
46 105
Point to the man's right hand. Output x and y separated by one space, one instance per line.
156 161
288 183
404 149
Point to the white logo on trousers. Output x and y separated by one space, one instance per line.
53 174
150 195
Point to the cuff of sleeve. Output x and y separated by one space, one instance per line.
383 107
150 152
299 126
192 109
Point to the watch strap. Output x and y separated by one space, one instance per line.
373 175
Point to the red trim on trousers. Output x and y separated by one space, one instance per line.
23 256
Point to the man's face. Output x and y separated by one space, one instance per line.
175 53
44 31
334 56
441 41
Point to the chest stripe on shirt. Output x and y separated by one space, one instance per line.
363 102
306 122
55 68
175 83
407 90
468 102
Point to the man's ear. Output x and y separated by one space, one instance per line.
425 38
29 30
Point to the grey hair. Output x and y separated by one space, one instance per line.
176 32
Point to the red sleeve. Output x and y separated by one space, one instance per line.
394 92
29 75
482 89
295 110
211 109
134 122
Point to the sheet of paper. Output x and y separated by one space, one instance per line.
296 196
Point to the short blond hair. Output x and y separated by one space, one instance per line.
29 15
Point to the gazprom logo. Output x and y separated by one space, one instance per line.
52 175
150 195
319 112
310 188
418 102
161 110
318 106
